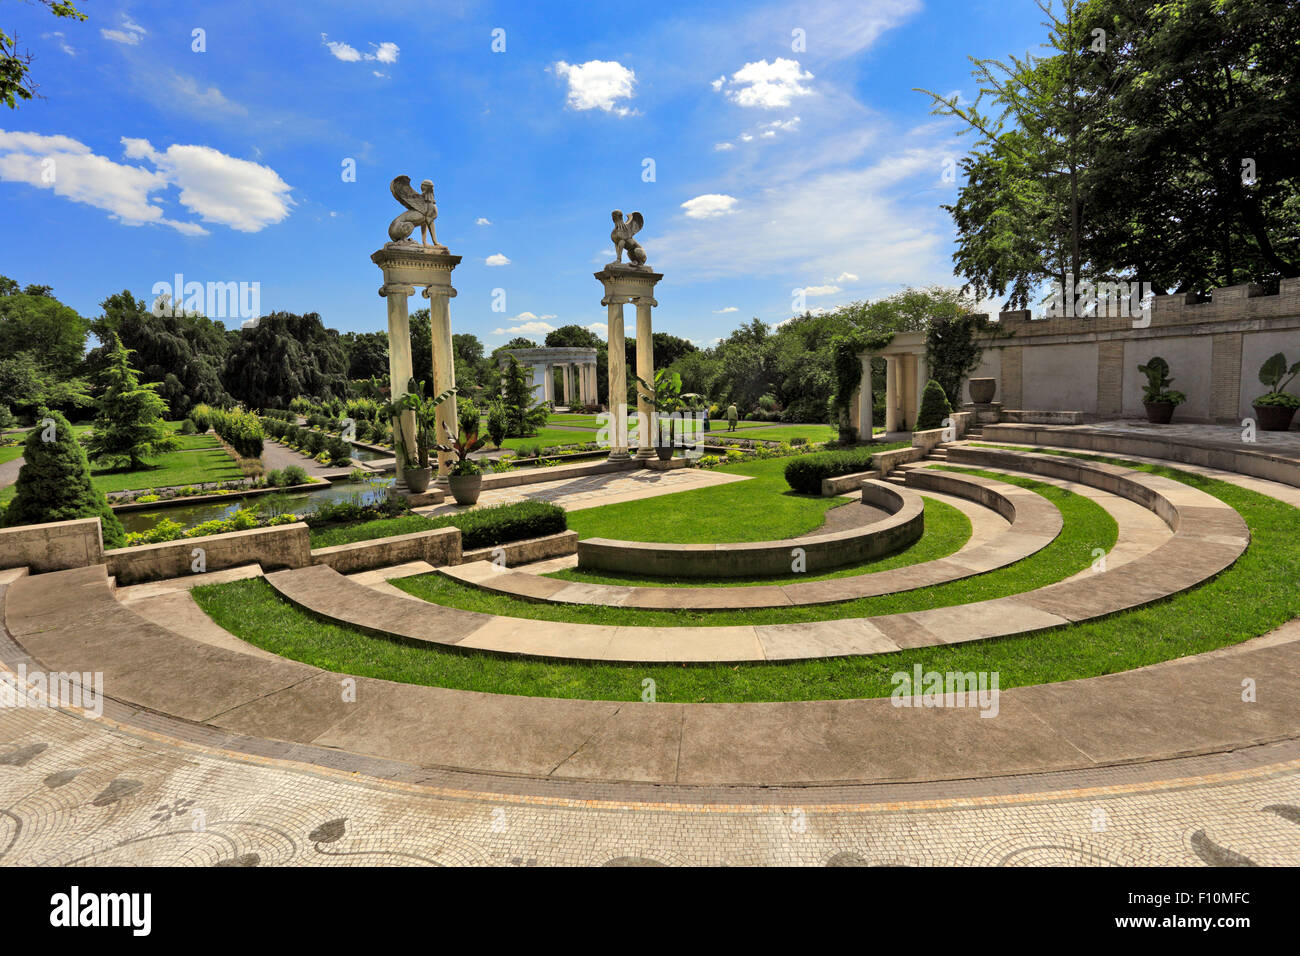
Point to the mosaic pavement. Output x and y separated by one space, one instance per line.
76 791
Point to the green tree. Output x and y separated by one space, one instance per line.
283 356
16 81
54 482
934 407
129 424
34 321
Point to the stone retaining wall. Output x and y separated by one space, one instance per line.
820 552
55 546
284 546
436 546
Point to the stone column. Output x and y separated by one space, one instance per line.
865 424
617 379
922 377
645 370
567 370
399 371
891 394
444 375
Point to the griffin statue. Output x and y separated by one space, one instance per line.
422 211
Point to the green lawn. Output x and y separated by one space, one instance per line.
549 437
781 432
1255 595
946 530
10 452
761 508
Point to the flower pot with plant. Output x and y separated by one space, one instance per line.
1157 397
1276 408
465 479
666 397
414 449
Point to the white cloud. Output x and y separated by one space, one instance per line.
722 147
232 192
528 324
386 52
129 34
340 50
209 100
768 85
598 84
481 221
730 308
820 289
600 329
709 205
846 277
496 259
717 84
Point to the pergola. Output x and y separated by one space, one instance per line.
577 369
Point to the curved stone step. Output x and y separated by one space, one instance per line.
1035 523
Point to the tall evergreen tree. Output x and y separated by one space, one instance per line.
54 482
129 424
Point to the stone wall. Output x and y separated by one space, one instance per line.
56 546
1214 350
436 546
284 546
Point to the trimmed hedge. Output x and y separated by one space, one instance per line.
805 473
485 527
934 407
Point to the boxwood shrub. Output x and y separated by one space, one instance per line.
485 527
805 473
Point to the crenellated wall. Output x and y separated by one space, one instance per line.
1214 350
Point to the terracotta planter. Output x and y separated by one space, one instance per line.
417 479
664 452
1274 418
982 390
465 488
1159 413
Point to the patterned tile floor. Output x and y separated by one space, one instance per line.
75 791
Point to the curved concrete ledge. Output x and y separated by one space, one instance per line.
820 551
70 622
1035 523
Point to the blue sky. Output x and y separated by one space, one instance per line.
781 160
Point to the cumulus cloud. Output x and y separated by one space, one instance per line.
846 277
482 221
496 259
600 329
730 308
598 84
218 188
820 289
768 85
709 205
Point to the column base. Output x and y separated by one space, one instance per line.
644 453
441 482
620 455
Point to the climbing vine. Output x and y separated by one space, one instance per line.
953 350
845 350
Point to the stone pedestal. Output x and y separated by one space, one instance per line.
623 284
986 413
405 266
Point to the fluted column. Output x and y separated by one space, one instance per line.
645 370
399 370
865 424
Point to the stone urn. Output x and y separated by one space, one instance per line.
1274 418
417 479
982 390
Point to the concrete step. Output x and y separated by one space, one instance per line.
896 479
940 454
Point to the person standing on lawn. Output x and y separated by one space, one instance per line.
732 416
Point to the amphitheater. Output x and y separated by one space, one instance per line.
1189 758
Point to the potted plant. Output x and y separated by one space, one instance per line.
416 468
466 476
1157 397
666 397
1276 408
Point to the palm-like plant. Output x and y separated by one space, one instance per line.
462 447
665 395
425 408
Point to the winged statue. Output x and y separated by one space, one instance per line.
422 211
624 230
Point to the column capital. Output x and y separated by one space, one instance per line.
644 300
396 288
446 291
